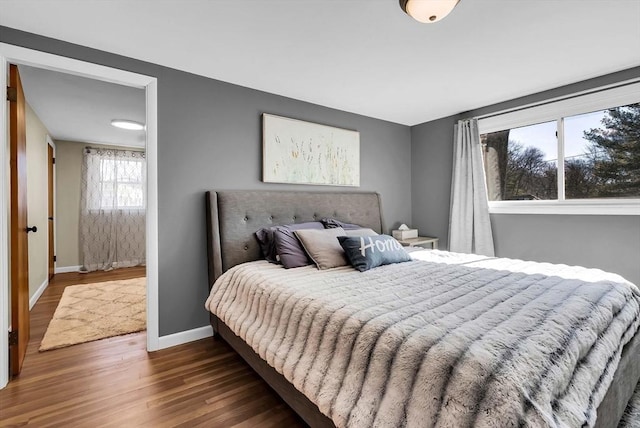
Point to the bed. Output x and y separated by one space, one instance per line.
232 219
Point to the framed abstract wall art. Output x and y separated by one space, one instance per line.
295 151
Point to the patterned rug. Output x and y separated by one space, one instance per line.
631 418
95 311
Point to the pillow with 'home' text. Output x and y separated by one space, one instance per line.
366 252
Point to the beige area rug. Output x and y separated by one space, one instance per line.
95 311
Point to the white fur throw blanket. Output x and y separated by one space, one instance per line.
450 341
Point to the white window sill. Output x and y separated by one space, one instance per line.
571 207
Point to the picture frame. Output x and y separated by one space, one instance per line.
300 152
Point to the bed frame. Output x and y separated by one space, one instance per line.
233 217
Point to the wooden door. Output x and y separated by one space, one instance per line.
19 336
50 223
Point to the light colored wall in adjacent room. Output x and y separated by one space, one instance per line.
68 165
37 182
68 179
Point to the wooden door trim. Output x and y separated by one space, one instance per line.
4 226
52 196
19 55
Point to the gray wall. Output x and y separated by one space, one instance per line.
209 137
607 242
431 163
611 243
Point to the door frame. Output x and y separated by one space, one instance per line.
11 54
52 197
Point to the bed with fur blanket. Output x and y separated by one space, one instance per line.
445 340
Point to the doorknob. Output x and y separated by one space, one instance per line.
32 229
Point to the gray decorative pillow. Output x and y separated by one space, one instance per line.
323 247
366 252
290 252
267 244
331 223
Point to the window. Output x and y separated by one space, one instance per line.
521 163
113 180
602 154
566 156
122 183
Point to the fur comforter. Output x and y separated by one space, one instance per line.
451 340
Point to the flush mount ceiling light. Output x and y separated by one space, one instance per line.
427 11
127 124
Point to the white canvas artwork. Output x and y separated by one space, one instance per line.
295 151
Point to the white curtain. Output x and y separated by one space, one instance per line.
469 224
112 209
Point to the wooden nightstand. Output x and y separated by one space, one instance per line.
419 241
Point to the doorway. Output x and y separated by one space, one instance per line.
100 211
10 54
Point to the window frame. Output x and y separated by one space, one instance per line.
557 109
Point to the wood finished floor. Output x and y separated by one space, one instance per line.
115 383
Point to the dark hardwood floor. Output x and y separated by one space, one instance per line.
114 382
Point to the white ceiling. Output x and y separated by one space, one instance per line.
362 56
75 108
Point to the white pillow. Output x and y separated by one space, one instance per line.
363 231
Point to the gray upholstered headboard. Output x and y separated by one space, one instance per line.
233 217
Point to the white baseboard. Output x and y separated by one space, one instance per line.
38 293
184 337
126 264
66 269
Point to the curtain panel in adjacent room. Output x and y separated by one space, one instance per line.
112 209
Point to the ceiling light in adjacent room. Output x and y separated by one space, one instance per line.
127 124
427 11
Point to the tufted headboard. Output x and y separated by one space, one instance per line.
233 216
